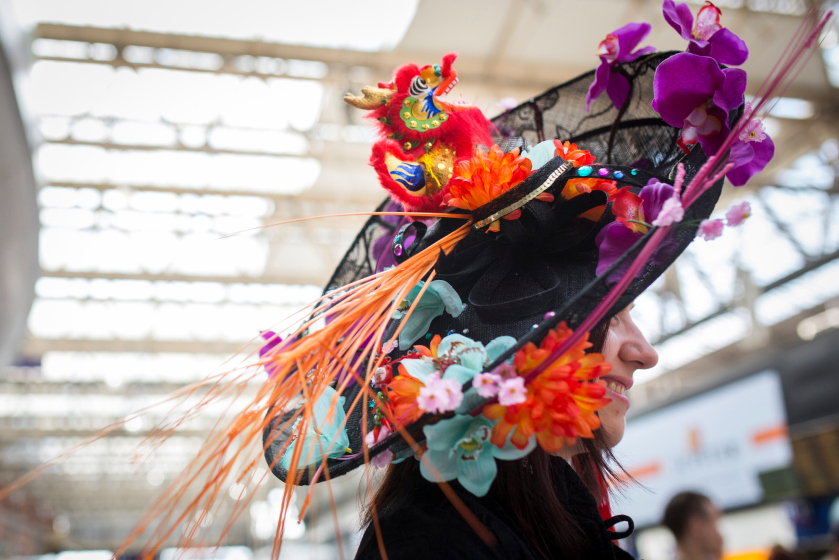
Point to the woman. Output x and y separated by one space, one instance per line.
538 508
484 362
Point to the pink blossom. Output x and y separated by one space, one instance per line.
454 392
506 371
738 213
512 392
671 212
388 347
382 460
710 229
376 435
487 384
754 131
440 395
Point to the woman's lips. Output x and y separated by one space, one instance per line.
617 387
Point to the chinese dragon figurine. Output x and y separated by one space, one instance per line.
423 137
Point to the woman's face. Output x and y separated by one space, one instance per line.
627 350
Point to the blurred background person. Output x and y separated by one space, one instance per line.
833 554
693 517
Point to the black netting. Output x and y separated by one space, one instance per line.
546 260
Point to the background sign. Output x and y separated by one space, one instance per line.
715 443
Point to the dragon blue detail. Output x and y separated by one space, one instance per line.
409 176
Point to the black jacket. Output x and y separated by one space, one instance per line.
431 528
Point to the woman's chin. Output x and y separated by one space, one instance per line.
613 422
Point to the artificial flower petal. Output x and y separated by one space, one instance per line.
710 229
324 432
618 48
439 297
421 369
498 346
738 214
477 475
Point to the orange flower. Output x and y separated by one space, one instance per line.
576 187
432 351
402 395
569 152
561 401
485 177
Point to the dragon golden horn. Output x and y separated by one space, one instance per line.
373 98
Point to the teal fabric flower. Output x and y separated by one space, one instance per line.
540 154
438 297
470 358
460 448
320 433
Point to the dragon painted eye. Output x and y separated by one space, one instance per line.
418 87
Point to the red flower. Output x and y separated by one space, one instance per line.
569 152
561 401
626 206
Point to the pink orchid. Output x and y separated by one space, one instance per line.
512 392
710 229
738 213
487 384
671 212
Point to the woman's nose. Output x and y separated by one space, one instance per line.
636 350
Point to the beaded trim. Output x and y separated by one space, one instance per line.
526 198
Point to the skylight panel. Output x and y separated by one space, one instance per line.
140 320
170 168
110 250
118 368
362 25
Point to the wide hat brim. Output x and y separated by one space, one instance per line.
546 260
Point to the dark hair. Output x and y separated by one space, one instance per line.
682 508
525 489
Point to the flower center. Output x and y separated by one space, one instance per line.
470 447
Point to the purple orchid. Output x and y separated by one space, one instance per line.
749 159
616 48
268 351
694 93
707 37
616 238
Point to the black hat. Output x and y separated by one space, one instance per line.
539 270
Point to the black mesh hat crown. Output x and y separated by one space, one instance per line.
540 269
